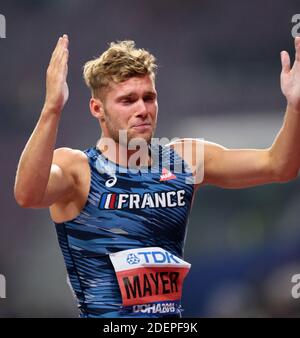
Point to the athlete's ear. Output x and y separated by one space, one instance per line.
96 108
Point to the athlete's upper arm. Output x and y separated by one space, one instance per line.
236 168
214 164
62 177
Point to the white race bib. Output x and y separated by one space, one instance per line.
147 275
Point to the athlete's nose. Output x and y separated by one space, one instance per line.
141 109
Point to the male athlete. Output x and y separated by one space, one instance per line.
121 223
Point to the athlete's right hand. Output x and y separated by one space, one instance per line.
57 91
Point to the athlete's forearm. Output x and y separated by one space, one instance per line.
35 162
285 150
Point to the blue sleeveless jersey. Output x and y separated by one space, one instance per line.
124 210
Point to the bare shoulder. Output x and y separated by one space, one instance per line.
66 155
191 150
70 160
187 146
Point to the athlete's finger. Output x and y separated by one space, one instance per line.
285 61
63 50
56 49
62 43
65 41
65 61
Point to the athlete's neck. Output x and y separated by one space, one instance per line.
121 155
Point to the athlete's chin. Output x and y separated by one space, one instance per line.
146 135
137 139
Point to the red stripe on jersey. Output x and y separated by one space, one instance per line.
112 201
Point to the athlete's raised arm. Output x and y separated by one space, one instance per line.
41 178
240 168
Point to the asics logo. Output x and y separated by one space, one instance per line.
111 182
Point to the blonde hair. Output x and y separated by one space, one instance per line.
118 63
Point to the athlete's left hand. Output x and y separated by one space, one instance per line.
290 77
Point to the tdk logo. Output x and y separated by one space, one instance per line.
2 26
158 257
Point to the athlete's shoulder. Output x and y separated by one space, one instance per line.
69 154
191 151
184 140
70 160
181 146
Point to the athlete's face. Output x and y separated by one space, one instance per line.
132 106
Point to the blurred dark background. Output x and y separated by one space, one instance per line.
219 67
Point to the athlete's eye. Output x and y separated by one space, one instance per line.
149 98
127 101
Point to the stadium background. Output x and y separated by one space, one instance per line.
218 79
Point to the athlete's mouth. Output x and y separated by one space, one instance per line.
142 127
142 124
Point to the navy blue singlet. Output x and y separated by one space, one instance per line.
124 211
